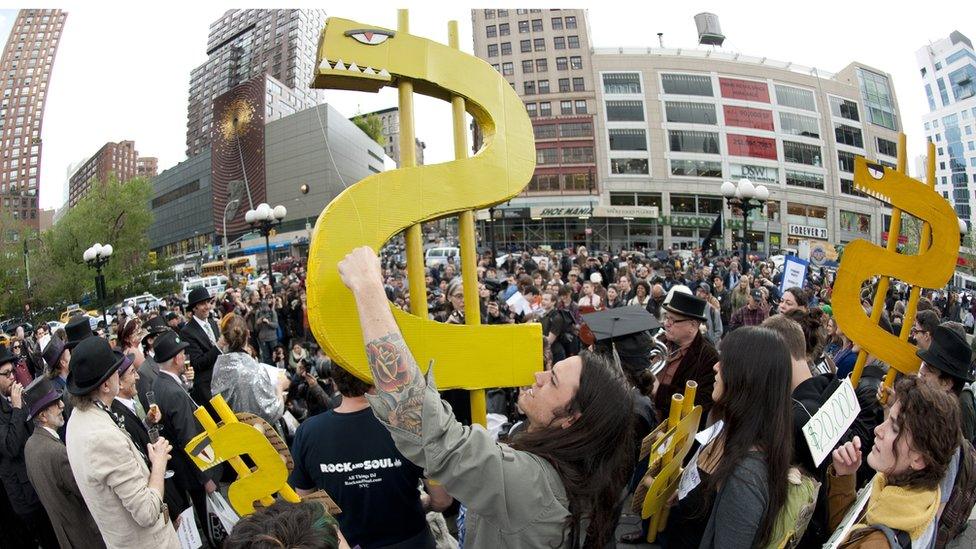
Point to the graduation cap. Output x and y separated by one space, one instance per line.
624 331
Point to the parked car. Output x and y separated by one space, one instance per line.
144 301
213 284
438 256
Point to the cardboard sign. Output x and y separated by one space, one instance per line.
850 519
187 533
794 273
831 421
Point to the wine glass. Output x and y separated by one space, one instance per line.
155 429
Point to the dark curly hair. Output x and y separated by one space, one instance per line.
284 525
931 417
814 324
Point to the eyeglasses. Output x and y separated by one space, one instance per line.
668 319
8 373
917 331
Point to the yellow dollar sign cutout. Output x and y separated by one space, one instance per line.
354 56
259 441
665 448
862 260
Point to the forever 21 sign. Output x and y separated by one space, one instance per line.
808 232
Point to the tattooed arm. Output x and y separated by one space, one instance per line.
397 379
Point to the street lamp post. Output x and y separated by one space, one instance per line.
96 257
747 197
234 203
264 218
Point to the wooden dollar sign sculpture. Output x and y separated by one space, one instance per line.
862 260
354 56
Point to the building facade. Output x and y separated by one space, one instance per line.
670 125
948 69
307 158
390 120
244 44
545 55
27 61
120 160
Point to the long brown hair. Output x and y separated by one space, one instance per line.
931 418
756 408
593 456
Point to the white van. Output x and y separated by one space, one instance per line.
213 284
438 256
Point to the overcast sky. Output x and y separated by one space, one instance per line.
122 71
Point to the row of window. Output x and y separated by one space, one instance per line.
565 129
540 65
557 23
537 44
532 87
550 182
544 108
564 155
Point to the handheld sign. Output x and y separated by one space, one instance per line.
850 519
794 273
831 421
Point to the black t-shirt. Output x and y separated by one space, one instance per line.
352 457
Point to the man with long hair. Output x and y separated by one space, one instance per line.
557 484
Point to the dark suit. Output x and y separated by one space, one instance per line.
148 372
50 473
14 431
175 498
696 365
203 355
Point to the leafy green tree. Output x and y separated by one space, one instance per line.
371 126
13 278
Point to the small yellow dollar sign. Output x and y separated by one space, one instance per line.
862 260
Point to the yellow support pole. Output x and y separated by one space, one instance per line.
408 159
691 387
894 231
469 252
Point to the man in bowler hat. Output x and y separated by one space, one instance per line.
690 355
946 366
50 472
149 369
201 334
125 496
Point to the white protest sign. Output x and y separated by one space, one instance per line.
187 533
794 273
831 421
850 519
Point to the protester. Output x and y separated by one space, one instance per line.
287 525
753 313
149 369
125 496
793 298
690 356
57 357
200 334
947 365
245 384
266 328
740 472
926 321
911 453
558 482
713 314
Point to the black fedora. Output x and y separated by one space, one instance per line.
949 353
53 351
39 395
6 356
92 362
687 305
197 295
167 346
77 330
156 325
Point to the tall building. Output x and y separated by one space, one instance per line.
26 65
244 44
390 120
665 129
948 68
119 160
545 54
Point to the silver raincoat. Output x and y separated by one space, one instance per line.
247 387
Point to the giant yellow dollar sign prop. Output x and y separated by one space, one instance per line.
354 56
862 260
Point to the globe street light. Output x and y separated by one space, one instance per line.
747 197
96 257
264 218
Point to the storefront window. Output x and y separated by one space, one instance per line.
709 205
682 204
628 166
853 222
646 199
803 214
622 199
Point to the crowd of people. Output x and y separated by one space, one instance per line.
93 424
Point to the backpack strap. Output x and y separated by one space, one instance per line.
897 539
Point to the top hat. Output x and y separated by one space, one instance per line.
167 346
687 305
197 295
77 330
53 351
6 356
949 353
92 362
39 395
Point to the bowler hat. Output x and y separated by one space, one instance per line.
6 356
687 305
949 353
77 330
197 295
156 325
40 394
53 351
92 362
167 346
